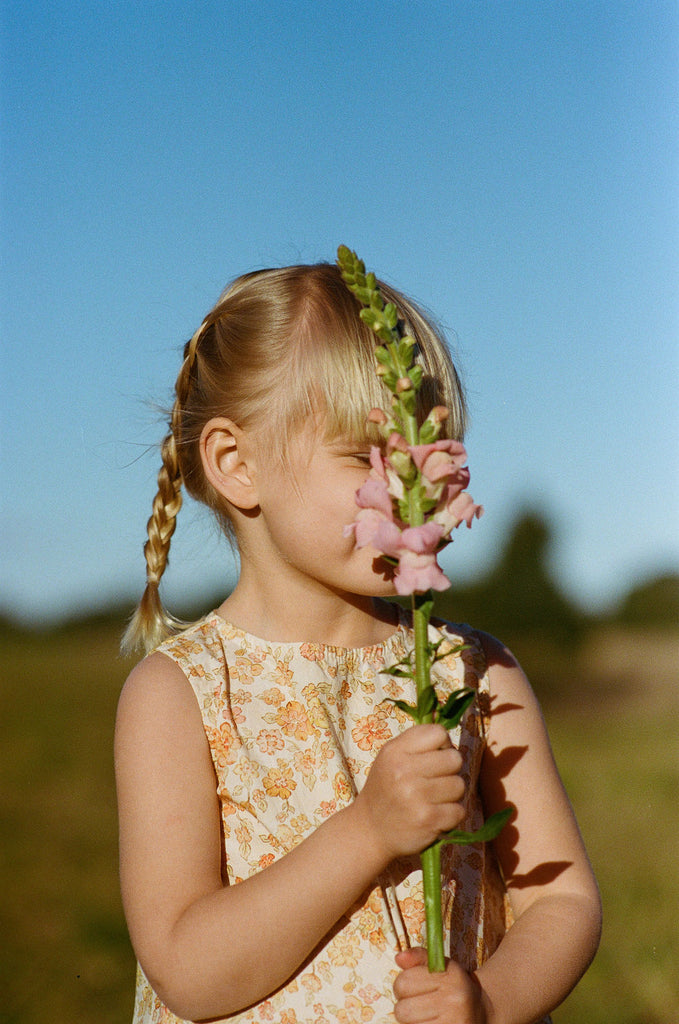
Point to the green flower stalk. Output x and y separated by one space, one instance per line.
413 499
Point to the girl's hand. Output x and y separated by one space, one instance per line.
413 792
452 995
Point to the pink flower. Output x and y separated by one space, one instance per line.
374 493
418 573
396 442
422 539
378 525
439 459
377 462
387 539
415 548
418 570
366 525
373 528
454 508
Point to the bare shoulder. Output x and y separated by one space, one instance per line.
507 678
158 715
167 802
517 725
541 849
496 652
157 680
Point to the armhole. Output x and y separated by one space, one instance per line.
183 662
181 666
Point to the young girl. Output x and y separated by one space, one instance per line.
273 799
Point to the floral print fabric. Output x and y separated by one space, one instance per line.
293 729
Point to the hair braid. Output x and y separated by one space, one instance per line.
151 622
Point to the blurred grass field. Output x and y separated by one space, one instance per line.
66 954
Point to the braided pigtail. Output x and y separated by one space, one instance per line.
151 622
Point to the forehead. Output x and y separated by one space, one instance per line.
331 417
320 432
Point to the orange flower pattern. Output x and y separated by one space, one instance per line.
293 729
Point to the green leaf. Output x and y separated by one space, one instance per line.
384 333
490 830
416 373
391 314
400 672
409 709
353 271
404 510
346 260
440 655
409 400
428 432
403 669
452 711
405 349
404 466
427 701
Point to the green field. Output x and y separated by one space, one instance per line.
66 956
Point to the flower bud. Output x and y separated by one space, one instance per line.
403 465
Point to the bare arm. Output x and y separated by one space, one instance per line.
209 949
552 890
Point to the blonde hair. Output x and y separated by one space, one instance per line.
280 346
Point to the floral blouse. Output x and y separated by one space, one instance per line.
293 729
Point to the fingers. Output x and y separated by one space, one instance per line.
411 958
415 978
420 738
414 791
426 767
430 746
452 995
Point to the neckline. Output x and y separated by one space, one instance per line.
398 635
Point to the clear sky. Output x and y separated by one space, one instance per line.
513 165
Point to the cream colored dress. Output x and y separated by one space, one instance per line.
293 729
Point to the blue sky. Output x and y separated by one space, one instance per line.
512 165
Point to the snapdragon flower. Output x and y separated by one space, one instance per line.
438 470
413 499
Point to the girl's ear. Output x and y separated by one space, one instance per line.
227 456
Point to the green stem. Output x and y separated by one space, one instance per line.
398 360
431 857
431 877
366 290
421 606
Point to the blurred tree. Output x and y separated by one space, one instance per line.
519 595
652 603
